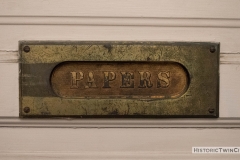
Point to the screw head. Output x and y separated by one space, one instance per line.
211 110
26 109
26 49
212 49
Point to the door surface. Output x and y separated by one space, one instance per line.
114 20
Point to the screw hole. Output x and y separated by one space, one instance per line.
212 49
211 110
26 109
26 49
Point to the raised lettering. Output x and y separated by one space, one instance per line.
163 79
108 76
145 80
75 79
91 82
127 80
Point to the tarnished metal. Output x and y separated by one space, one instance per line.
119 79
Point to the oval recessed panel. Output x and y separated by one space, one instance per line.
119 80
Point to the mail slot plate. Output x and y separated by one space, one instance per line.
119 79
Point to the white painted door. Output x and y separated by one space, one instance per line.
114 20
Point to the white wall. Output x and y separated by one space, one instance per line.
125 20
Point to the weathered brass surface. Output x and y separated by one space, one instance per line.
118 79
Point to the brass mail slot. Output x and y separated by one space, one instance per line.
118 79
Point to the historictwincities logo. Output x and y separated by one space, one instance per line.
226 150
